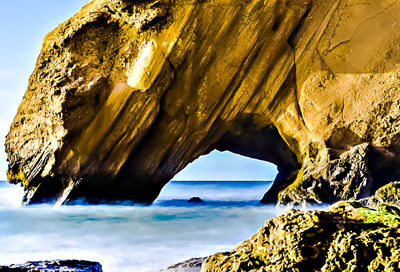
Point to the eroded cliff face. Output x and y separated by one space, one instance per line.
126 93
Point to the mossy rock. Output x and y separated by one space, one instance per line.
388 195
346 237
386 215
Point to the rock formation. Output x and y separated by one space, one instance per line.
388 195
54 266
126 93
347 237
196 200
191 265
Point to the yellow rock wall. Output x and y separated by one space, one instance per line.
126 93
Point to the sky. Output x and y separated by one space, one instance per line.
23 26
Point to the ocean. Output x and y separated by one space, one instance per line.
135 238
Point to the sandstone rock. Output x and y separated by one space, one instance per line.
191 265
386 199
55 266
126 93
388 195
344 178
347 237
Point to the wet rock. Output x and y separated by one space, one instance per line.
197 200
55 266
191 265
388 195
347 177
125 94
346 237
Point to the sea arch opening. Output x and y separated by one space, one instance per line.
221 176
150 169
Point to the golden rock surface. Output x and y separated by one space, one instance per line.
348 237
126 93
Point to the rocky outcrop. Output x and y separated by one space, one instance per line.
54 266
196 200
347 237
388 195
191 265
347 177
126 93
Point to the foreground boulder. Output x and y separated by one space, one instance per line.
346 237
126 93
54 266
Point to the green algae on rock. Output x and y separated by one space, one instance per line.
346 237
125 94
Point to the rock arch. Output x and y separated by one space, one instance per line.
126 93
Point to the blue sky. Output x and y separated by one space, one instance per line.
23 25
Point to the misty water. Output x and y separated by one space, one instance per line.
134 238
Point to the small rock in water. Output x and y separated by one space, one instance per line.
54 266
191 265
195 200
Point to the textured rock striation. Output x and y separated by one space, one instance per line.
388 195
126 93
347 237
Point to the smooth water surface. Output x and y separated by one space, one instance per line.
134 238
